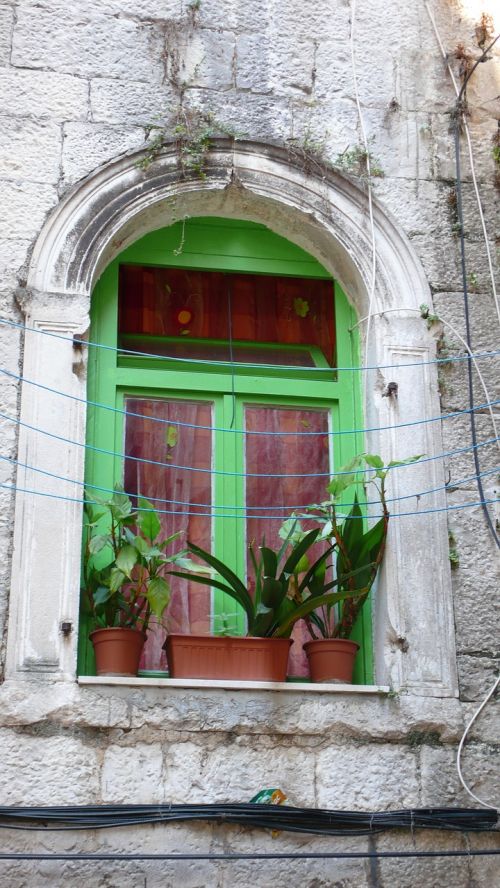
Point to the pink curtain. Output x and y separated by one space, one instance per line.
181 495
284 450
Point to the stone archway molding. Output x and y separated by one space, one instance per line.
327 216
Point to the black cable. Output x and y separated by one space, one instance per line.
468 337
314 821
318 855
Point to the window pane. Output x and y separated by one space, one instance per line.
284 450
186 496
180 303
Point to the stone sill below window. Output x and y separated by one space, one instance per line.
206 684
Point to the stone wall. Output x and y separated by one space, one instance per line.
81 85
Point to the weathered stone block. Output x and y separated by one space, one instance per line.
13 255
25 206
43 94
40 769
30 149
6 26
89 45
134 775
209 59
388 777
252 63
115 101
477 674
88 146
237 770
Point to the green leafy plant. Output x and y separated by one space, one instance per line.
125 561
281 579
358 550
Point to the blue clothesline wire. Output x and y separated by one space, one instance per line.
83 501
173 422
157 499
89 344
210 471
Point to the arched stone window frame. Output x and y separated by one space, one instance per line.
325 215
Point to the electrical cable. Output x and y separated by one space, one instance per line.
319 855
156 499
468 334
74 340
469 146
459 337
73 499
314 821
462 741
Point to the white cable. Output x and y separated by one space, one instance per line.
371 300
471 160
460 747
464 343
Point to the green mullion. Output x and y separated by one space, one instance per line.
229 529
100 468
351 416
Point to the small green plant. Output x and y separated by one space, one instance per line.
356 161
192 131
427 315
358 550
124 562
281 579
452 551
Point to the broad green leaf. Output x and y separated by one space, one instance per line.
405 462
97 543
298 551
158 595
269 561
117 579
140 544
101 595
127 559
311 604
272 592
374 461
147 520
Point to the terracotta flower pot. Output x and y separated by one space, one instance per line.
331 659
227 657
117 650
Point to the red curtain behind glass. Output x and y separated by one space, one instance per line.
264 308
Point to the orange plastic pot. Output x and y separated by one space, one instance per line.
117 650
331 659
227 657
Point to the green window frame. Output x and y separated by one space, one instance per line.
226 246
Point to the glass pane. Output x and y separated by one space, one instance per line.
284 449
177 303
183 496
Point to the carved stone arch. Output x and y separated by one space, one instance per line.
325 214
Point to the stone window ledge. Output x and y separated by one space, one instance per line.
229 685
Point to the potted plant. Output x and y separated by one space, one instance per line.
278 602
358 554
123 578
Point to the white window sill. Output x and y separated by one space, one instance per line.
229 685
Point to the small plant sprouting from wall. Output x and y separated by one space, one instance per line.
452 551
355 161
192 131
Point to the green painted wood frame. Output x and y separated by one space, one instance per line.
223 245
